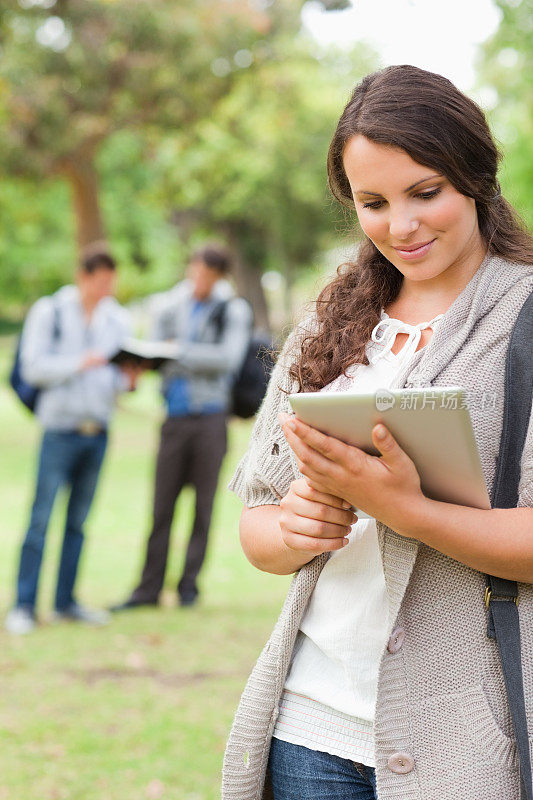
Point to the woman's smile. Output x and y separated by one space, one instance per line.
414 251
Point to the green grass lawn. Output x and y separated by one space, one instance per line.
140 709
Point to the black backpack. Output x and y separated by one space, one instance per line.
250 384
26 392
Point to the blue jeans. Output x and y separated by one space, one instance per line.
66 458
297 773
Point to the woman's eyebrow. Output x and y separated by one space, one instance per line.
423 180
429 178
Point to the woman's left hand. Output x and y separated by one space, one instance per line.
385 487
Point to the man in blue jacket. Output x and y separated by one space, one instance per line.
211 329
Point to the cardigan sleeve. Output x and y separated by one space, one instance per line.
525 489
265 472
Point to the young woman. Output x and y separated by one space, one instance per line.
379 679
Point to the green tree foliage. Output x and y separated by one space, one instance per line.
76 71
103 93
507 66
257 173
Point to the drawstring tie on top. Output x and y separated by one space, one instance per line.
387 329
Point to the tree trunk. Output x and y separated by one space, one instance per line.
248 281
284 266
83 179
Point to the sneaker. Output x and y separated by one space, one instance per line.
19 621
79 613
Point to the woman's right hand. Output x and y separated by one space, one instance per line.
312 522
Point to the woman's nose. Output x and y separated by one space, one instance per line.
402 225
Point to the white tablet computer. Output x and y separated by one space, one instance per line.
432 425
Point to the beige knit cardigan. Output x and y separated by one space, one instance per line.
442 727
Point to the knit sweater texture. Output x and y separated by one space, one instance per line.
441 705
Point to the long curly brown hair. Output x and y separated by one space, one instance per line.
439 127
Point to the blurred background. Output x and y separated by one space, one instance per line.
156 124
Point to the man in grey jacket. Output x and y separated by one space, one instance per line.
66 343
211 328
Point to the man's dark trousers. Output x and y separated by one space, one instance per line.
191 450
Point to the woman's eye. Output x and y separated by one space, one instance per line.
428 195
374 204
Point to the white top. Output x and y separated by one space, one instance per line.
330 690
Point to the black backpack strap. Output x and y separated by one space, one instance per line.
218 317
501 596
517 409
56 329
218 314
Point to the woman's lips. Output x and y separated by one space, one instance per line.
414 251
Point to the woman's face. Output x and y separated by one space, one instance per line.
413 214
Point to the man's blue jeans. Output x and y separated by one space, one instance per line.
297 773
66 458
